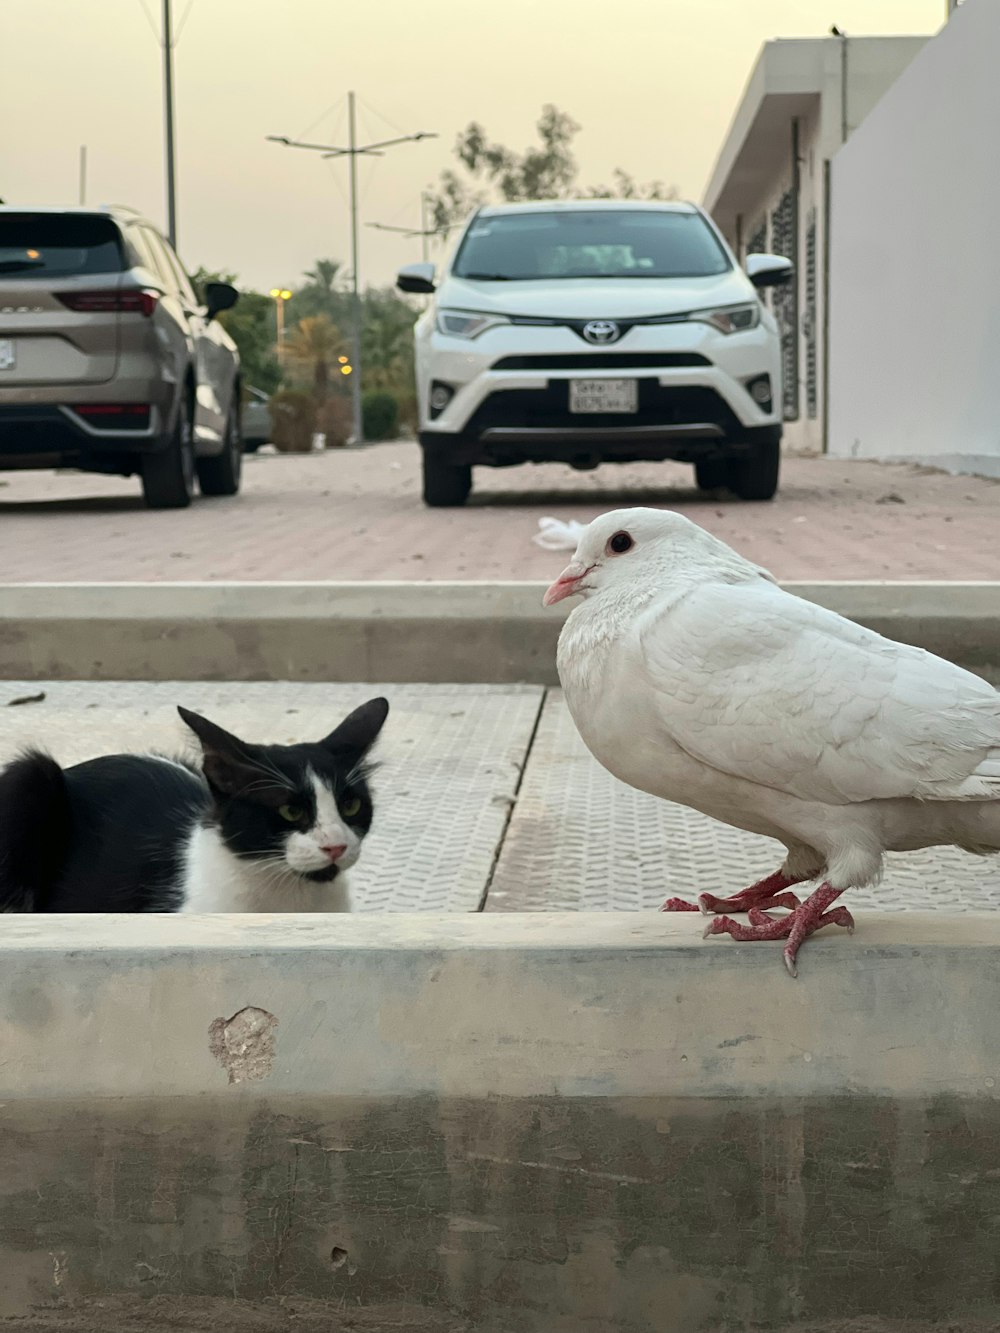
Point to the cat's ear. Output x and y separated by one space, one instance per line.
359 730
227 764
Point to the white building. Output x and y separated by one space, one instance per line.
915 261
771 187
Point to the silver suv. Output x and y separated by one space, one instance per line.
109 362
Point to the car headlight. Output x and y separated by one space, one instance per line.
730 319
467 323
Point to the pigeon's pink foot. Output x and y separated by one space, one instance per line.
765 893
804 920
762 894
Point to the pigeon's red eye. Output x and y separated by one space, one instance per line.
620 543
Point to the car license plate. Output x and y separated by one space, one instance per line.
8 354
603 396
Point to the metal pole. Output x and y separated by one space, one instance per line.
423 228
83 173
168 116
359 434
280 309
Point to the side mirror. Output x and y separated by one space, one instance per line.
769 270
416 278
219 296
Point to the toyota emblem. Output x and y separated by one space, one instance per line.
602 331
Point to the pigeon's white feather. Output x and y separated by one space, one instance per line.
767 687
691 675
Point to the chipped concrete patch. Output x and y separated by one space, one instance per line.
244 1045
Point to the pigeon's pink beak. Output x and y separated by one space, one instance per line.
566 584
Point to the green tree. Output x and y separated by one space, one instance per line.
251 326
545 171
320 295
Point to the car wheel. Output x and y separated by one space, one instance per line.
446 485
251 446
711 474
220 475
754 475
168 475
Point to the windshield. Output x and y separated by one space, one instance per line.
37 245
518 247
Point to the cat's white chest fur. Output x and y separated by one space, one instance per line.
216 880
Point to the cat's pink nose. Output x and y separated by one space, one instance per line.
335 853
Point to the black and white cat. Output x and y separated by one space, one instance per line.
260 828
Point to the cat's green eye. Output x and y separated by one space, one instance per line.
350 807
293 813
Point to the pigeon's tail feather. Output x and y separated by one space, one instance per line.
35 829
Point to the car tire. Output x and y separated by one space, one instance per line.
168 476
446 485
754 475
220 475
711 474
251 446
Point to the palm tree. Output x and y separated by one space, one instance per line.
323 275
314 345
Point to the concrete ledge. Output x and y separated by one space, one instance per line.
519 1005
390 632
479 1125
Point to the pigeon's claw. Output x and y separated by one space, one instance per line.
802 921
679 905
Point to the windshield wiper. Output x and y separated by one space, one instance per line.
487 277
19 265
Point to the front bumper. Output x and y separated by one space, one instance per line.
693 382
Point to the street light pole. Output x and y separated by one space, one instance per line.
280 295
168 118
353 151
424 232
359 432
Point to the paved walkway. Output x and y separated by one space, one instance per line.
358 515
486 798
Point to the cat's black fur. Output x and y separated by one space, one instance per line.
121 833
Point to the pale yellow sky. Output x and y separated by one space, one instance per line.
653 83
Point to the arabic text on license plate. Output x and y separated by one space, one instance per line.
8 355
604 395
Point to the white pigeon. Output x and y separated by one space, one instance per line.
690 674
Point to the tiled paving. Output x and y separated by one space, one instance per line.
357 514
486 798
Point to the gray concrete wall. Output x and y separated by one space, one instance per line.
536 1124
389 632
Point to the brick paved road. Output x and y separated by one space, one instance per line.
358 515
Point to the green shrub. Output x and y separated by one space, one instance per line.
380 415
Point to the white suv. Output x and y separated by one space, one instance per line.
598 331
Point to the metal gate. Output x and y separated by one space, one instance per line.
809 320
785 302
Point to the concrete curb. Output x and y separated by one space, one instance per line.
474 1125
392 632
524 1004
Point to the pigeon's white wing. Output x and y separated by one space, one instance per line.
764 686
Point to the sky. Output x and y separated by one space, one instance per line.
653 84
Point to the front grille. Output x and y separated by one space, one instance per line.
549 407
602 361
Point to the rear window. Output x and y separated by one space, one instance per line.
40 245
574 243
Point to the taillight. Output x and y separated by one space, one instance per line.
127 301
114 416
